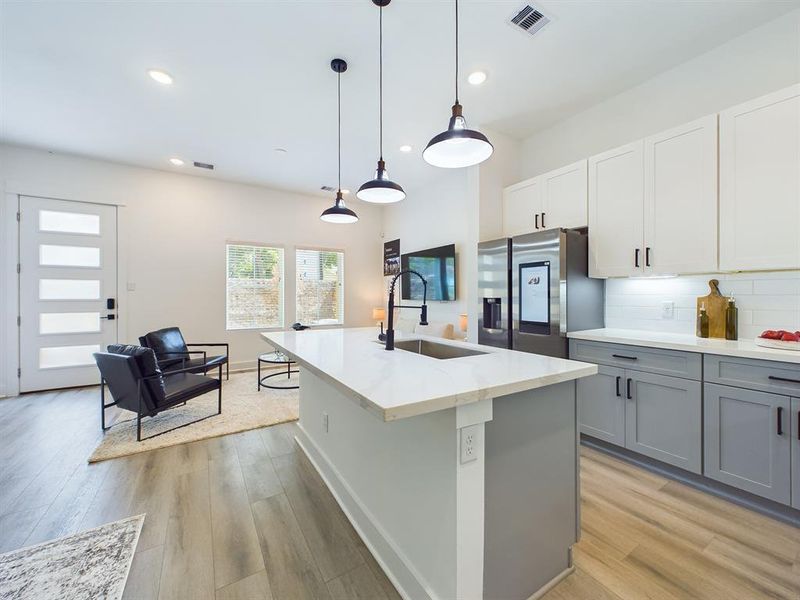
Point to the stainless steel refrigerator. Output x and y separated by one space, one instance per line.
534 288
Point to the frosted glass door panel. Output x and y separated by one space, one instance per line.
69 222
67 356
69 289
77 322
68 256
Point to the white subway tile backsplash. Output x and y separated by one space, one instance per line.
765 300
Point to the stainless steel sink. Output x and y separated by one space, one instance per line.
434 350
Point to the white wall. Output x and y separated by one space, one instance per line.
758 62
765 301
444 212
501 170
177 226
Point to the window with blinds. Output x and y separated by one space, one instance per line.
320 287
254 297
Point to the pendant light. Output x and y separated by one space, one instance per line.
381 190
458 146
339 213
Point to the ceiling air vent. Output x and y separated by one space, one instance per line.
201 165
529 19
327 188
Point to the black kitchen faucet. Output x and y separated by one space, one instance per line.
423 317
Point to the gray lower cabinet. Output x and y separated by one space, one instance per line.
601 405
663 419
748 439
794 429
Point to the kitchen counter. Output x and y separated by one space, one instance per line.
401 384
459 474
686 343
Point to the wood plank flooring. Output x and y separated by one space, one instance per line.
246 516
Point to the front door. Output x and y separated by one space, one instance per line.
67 290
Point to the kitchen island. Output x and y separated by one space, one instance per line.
456 463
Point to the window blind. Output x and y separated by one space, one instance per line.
320 287
254 297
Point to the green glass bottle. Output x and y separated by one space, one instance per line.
731 320
702 322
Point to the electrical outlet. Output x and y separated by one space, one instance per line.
469 443
325 422
668 309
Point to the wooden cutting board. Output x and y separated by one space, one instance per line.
715 304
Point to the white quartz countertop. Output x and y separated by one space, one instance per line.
399 384
687 343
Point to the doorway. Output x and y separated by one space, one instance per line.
67 290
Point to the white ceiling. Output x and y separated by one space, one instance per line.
253 76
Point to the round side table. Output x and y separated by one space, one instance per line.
276 358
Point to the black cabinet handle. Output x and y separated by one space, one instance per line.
537 220
625 357
636 257
630 396
780 420
619 378
775 378
647 256
542 220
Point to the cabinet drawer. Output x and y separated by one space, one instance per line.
688 365
762 375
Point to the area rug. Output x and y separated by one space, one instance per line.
243 408
88 565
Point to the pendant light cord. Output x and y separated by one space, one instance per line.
456 51
380 77
339 101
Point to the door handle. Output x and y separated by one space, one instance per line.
780 420
775 378
537 220
109 317
630 396
619 378
647 256
542 220
636 258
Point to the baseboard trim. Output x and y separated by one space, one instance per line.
553 583
409 583
769 508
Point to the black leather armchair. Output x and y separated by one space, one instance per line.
173 352
137 384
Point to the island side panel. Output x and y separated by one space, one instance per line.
396 481
531 511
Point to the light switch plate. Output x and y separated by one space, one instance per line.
668 309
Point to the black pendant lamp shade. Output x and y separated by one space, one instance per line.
339 213
381 189
458 146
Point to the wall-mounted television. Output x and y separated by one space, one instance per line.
437 266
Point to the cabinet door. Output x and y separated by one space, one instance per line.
616 212
601 405
759 160
680 199
794 430
565 197
522 207
663 419
743 446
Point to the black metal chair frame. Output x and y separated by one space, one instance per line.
139 437
205 359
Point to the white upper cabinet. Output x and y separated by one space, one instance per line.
564 198
759 214
680 199
522 207
616 212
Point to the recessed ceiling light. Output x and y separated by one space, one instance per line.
477 77
161 77
281 150
405 148
176 161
